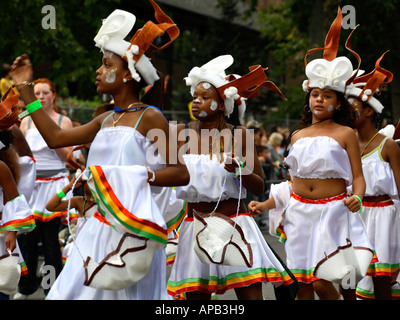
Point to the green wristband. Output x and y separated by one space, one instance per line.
236 174
32 107
359 199
61 194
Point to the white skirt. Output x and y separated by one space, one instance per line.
190 274
316 229
96 239
382 222
44 189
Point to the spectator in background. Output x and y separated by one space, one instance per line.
5 78
274 143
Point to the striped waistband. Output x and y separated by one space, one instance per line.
50 179
381 204
318 201
190 219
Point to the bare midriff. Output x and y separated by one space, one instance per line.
318 188
226 207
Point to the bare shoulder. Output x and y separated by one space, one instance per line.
390 150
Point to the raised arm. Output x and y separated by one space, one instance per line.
55 137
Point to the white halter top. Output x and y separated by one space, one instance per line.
378 174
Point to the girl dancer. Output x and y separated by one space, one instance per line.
381 168
212 175
16 216
324 159
51 176
121 157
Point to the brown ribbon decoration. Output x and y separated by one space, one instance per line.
249 85
144 37
375 79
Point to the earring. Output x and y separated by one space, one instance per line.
305 107
124 80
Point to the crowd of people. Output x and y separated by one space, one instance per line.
328 189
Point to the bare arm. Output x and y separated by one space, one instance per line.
256 207
353 151
54 136
156 128
391 153
57 204
20 143
10 192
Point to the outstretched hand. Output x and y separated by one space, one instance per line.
22 70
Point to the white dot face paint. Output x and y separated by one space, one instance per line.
206 85
197 100
203 114
214 105
330 108
111 75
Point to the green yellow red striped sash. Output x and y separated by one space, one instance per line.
142 227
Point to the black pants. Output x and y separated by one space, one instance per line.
47 233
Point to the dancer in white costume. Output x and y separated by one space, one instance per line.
323 160
51 175
15 213
118 155
211 174
381 168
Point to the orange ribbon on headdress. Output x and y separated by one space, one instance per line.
375 79
332 44
144 37
9 109
331 41
249 85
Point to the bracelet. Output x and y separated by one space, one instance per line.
25 83
33 106
61 194
359 199
153 177
235 175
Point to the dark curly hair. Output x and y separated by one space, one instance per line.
345 116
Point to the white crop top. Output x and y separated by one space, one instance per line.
319 157
378 174
207 180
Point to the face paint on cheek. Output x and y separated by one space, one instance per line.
111 76
203 114
214 105
330 108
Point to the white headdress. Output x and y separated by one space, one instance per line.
231 88
364 87
331 72
118 25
